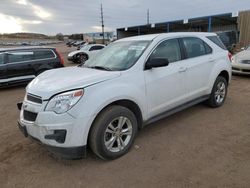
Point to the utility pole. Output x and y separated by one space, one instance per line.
102 21
148 17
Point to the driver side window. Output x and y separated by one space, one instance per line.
169 50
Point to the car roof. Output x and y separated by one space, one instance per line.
162 35
25 48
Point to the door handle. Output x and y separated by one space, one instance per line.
182 69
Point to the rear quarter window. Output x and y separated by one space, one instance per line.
217 41
44 54
195 47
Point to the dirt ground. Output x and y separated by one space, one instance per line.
198 147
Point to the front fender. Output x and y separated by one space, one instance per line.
100 95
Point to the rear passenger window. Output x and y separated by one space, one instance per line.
43 54
1 59
169 50
20 56
196 47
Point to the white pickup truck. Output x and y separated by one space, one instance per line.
130 83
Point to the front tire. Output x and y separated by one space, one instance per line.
81 58
219 93
113 132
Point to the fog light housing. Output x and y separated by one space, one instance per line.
58 135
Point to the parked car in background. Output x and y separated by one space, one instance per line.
81 45
78 43
69 44
87 51
21 65
241 62
130 83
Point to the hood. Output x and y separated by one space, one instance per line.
59 80
243 55
76 52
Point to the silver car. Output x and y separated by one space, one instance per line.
241 62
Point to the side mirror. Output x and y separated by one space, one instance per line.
156 62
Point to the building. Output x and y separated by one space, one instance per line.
235 25
98 37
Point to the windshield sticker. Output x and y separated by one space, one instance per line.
136 48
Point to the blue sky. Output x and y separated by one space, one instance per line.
79 16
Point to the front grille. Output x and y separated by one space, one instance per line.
29 116
235 69
34 98
242 70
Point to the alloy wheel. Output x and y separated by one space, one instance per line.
220 92
118 134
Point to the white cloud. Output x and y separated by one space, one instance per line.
99 28
10 24
38 10
22 2
36 22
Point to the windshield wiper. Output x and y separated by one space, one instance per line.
101 68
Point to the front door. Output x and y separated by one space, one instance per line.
165 86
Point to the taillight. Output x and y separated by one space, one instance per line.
230 56
60 57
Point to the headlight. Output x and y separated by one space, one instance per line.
65 101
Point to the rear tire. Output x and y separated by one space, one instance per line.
219 93
113 132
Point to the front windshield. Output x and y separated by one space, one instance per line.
248 48
85 48
118 56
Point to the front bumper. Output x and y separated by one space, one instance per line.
62 152
243 69
71 58
61 134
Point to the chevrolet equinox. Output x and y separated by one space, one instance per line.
130 83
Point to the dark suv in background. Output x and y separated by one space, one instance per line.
21 65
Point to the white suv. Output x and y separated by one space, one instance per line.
131 83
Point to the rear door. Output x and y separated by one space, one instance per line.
19 64
199 62
2 68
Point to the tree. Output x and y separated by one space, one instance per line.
59 36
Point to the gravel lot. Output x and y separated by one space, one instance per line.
198 147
